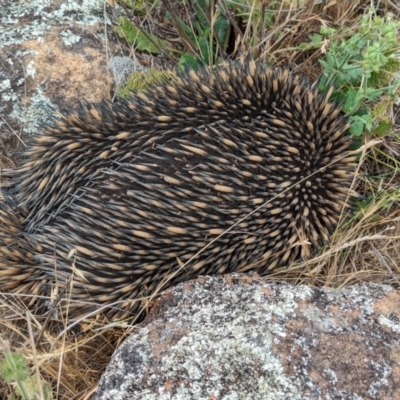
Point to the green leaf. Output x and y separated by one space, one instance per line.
269 19
137 38
367 118
322 62
373 94
351 73
356 128
324 30
188 61
359 123
316 40
383 128
201 5
204 50
13 368
221 27
303 46
351 100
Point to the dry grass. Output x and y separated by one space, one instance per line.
72 361
365 248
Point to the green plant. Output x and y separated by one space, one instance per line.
209 30
14 371
139 37
205 35
362 66
141 80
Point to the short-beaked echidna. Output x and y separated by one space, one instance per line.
139 187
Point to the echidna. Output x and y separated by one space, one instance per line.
144 189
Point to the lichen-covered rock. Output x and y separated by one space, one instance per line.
237 337
52 54
122 68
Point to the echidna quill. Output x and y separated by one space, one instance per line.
141 192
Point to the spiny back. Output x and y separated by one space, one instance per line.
139 187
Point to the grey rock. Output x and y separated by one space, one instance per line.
122 68
53 54
238 337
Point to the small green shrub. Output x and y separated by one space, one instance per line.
15 372
362 64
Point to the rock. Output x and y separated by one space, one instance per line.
241 337
53 54
122 68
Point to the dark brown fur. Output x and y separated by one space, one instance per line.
138 188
